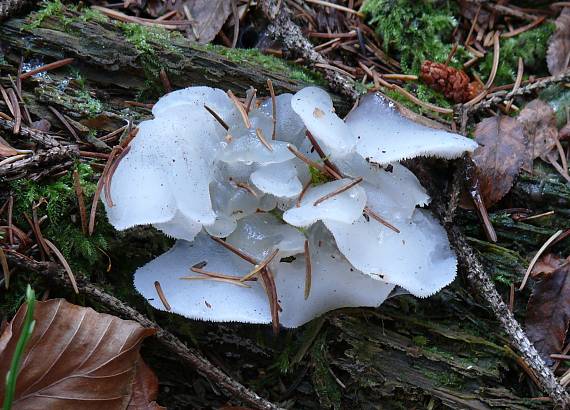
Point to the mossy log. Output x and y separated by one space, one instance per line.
442 352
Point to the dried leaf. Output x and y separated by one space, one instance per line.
539 124
500 157
145 389
207 16
545 266
548 313
76 358
558 55
6 150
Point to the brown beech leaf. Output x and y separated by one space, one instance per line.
76 358
539 124
558 55
548 312
547 264
5 149
145 389
499 157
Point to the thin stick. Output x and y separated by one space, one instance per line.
496 56
217 117
217 279
259 133
302 194
240 108
247 187
66 266
520 72
338 191
273 108
97 194
384 222
65 123
308 270
161 295
47 67
323 156
262 265
535 259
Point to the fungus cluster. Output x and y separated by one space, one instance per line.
282 210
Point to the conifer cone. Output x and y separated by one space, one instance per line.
453 83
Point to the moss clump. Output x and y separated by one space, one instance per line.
254 57
318 177
89 14
531 46
48 9
88 104
415 31
62 227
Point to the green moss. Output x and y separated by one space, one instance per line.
62 226
414 31
420 340
254 57
318 177
88 104
89 14
48 9
531 46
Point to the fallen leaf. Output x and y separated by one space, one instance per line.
76 358
558 55
546 265
207 16
500 156
539 124
6 150
548 313
145 389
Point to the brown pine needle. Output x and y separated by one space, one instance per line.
80 201
97 194
251 94
273 108
217 117
259 133
66 266
306 159
336 6
161 295
65 123
247 187
262 265
216 279
5 268
308 270
337 191
384 222
111 172
336 173
240 108
302 194
165 80
47 67
535 258
197 269
271 290
235 250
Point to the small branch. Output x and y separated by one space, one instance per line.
479 279
55 155
189 356
38 136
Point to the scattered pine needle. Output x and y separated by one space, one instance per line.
262 265
97 194
66 266
259 133
217 117
377 217
217 279
161 295
47 67
338 191
214 274
273 108
336 6
306 159
240 108
535 259
308 270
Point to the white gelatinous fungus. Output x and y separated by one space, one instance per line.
236 190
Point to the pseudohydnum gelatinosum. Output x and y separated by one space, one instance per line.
263 221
